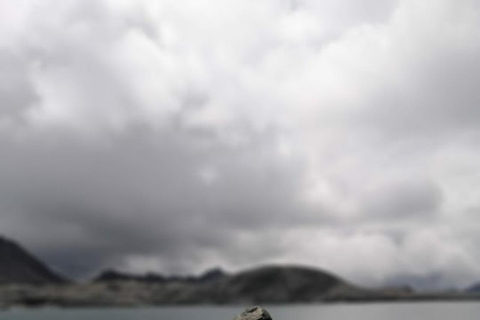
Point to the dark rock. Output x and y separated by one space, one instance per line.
254 313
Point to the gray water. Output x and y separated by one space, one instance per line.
396 311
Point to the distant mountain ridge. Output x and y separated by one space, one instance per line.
280 284
17 266
111 275
267 284
263 284
273 284
475 288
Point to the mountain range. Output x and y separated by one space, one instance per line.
273 284
25 280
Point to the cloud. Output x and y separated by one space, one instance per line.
157 135
403 199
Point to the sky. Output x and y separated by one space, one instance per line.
176 136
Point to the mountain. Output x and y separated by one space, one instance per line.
474 288
17 266
212 275
279 284
115 276
268 284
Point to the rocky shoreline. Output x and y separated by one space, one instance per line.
134 294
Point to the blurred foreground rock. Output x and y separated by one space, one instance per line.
255 313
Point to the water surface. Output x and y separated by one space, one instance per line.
381 311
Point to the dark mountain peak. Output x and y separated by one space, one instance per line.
475 288
111 275
7 242
212 275
287 272
19 266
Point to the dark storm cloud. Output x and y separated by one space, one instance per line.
153 135
142 194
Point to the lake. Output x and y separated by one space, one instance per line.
383 311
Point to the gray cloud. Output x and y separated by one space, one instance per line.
404 199
151 135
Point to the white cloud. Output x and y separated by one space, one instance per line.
138 130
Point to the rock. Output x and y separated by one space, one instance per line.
254 313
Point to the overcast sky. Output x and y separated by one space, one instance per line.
174 136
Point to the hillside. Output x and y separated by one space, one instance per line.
267 284
279 284
474 288
115 276
17 266
273 284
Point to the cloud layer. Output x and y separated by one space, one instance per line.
154 135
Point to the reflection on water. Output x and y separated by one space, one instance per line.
396 311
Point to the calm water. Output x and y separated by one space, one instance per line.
397 311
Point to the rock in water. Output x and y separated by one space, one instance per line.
255 313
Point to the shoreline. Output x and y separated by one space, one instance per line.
134 295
